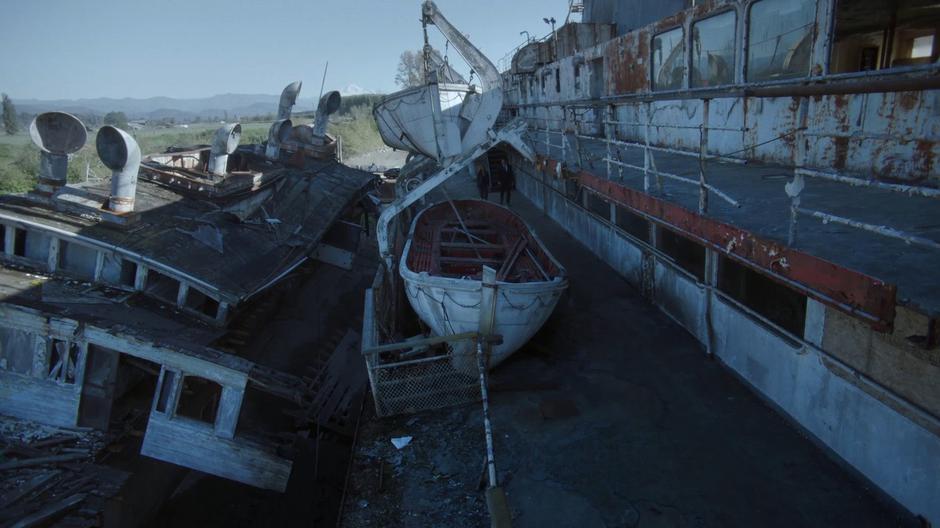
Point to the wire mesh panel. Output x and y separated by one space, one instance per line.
410 386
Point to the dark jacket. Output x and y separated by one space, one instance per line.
507 179
483 180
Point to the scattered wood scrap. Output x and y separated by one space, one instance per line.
48 475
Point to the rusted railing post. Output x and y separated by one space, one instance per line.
646 156
607 133
562 128
793 189
648 152
702 152
548 136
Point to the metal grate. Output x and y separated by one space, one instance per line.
410 386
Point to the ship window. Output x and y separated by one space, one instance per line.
3 237
63 363
780 38
199 399
633 224
543 83
201 303
37 246
166 390
597 205
879 34
597 78
557 80
577 78
713 50
668 60
781 305
77 260
19 242
128 273
161 286
16 351
685 253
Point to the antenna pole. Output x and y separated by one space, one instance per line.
323 83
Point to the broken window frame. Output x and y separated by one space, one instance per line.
216 409
733 49
769 73
578 67
632 224
889 43
736 281
200 311
69 372
6 364
167 392
673 245
676 35
595 203
69 246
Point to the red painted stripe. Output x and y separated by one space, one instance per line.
829 283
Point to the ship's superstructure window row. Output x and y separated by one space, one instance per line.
47 253
762 41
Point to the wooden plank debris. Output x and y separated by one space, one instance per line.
54 459
50 511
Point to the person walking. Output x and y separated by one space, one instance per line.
483 183
507 183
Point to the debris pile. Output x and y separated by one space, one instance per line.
47 473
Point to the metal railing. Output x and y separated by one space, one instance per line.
505 62
573 127
795 187
649 168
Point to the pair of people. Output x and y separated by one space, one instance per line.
505 180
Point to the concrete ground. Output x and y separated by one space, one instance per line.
611 416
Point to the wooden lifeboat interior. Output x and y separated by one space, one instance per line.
484 234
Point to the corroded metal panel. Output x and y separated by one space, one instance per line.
837 286
627 59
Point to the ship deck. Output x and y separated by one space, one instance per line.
765 211
611 415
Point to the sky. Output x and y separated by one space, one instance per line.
71 49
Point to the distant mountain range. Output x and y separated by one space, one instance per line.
182 110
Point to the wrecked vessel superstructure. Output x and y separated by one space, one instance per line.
143 281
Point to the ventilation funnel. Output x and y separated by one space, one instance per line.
57 135
120 153
279 133
329 104
288 98
225 142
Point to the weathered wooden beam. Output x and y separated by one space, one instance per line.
31 485
38 461
50 511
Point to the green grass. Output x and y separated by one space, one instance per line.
19 158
